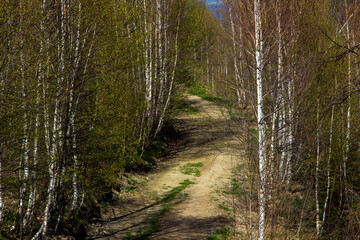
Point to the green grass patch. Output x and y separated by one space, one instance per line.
191 169
171 199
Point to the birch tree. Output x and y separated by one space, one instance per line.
260 114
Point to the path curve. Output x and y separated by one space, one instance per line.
212 141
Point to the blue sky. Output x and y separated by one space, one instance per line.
212 2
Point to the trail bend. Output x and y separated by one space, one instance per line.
212 140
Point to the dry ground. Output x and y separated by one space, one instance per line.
212 141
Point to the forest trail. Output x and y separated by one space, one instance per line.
180 201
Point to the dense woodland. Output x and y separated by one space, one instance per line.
296 65
87 86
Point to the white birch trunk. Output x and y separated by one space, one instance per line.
32 197
162 118
328 168
283 131
166 46
318 223
226 71
160 57
289 144
260 115
24 164
282 124
148 83
52 175
72 113
348 127
278 98
148 67
278 93
207 62
238 83
55 140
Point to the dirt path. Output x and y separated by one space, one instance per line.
213 148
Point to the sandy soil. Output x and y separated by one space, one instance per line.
211 140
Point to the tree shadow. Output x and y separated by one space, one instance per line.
188 227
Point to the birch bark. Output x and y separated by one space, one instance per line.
237 73
148 66
260 115
32 197
55 143
172 78
288 171
277 93
318 224
24 163
72 111
328 167
348 127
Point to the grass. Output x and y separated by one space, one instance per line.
171 199
191 169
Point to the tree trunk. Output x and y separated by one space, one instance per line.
348 127
318 224
238 86
172 79
54 145
148 68
328 168
24 163
260 115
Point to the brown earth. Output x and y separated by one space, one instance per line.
211 140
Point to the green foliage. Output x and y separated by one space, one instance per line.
194 35
76 92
